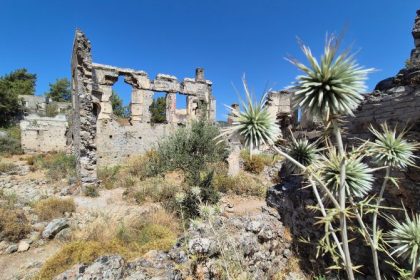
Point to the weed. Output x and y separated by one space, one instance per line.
108 176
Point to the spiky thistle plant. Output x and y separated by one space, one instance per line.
406 239
391 149
254 125
303 152
332 86
358 176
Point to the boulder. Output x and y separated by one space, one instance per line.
54 227
23 246
11 249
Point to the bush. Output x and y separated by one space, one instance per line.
155 231
13 224
10 145
51 110
190 149
207 195
50 208
59 165
108 176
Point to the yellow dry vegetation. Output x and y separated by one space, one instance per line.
155 231
53 207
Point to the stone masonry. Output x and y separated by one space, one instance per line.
99 139
43 134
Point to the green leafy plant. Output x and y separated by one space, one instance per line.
254 125
405 238
332 86
358 176
303 152
190 149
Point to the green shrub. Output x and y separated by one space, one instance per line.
190 149
50 208
10 145
13 224
51 110
207 195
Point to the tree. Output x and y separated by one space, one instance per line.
158 110
118 108
21 82
60 90
11 86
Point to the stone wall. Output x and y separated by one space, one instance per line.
396 101
99 139
43 134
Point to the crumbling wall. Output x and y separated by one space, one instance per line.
43 134
99 138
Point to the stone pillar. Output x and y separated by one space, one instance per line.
136 105
84 117
171 107
146 97
105 104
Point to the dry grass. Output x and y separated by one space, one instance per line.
6 167
154 231
257 163
241 184
108 176
58 165
13 224
51 208
154 189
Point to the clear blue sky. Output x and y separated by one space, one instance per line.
226 37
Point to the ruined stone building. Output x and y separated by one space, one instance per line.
44 124
99 139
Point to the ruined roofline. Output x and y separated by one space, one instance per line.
159 76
